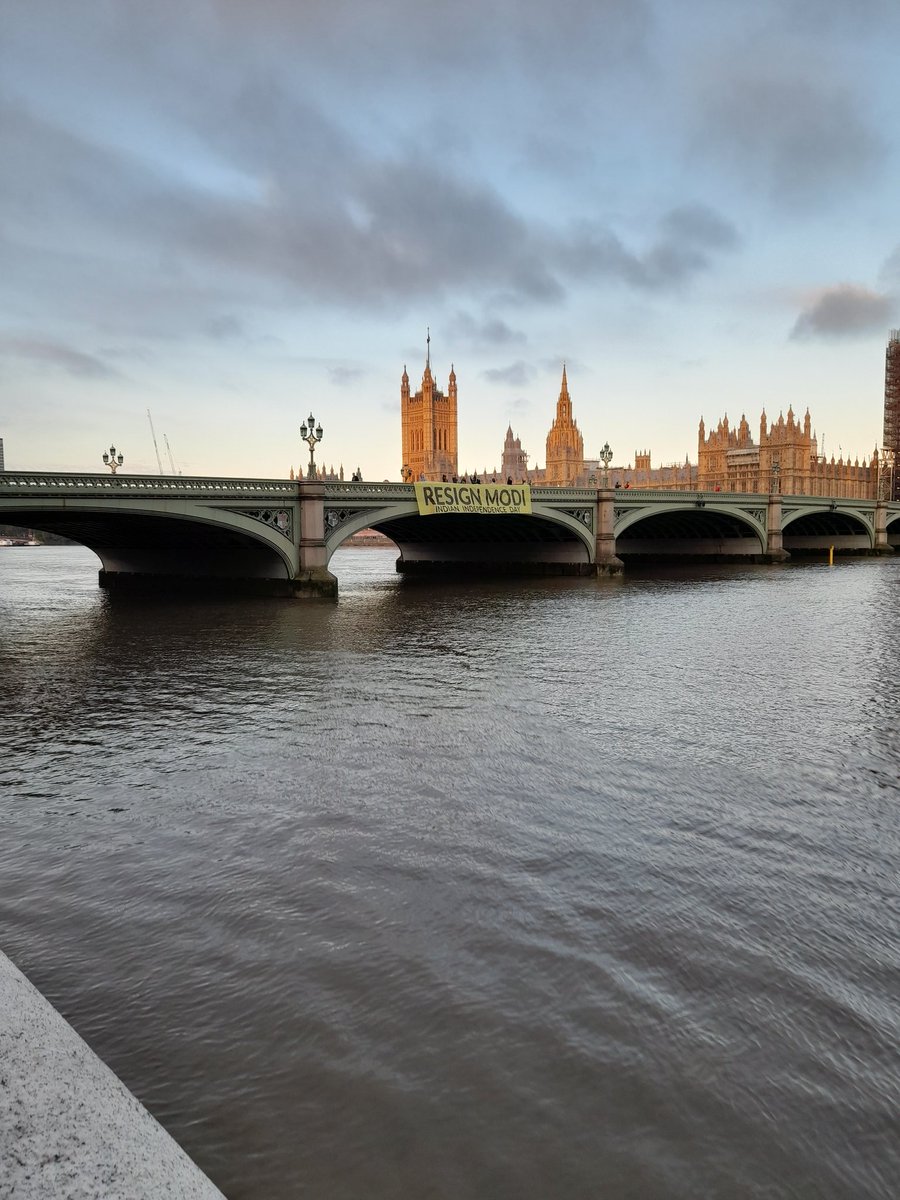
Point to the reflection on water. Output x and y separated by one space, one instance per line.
549 888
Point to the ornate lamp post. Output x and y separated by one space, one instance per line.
776 477
605 457
112 460
311 434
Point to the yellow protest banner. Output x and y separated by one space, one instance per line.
485 498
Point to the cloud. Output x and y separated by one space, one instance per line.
790 129
341 376
489 331
890 270
444 39
45 352
700 226
683 245
225 328
844 311
324 222
517 374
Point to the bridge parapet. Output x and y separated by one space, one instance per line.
370 491
19 483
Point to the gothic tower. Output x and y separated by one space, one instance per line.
565 445
515 460
428 422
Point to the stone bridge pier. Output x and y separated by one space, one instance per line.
313 579
775 551
882 544
606 561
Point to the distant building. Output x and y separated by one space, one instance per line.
786 459
891 438
428 421
323 474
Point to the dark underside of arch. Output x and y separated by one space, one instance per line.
687 535
813 533
505 544
155 552
826 524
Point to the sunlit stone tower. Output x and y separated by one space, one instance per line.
891 438
565 445
429 425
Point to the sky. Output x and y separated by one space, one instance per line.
234 212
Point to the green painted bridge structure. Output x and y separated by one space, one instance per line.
277 536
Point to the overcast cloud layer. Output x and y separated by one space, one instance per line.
225 211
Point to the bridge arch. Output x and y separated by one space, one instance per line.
548 538
812 528
144 541
692 528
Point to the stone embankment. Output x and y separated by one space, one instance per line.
69 1129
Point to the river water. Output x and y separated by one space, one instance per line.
517 890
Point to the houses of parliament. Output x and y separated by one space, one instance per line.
785 457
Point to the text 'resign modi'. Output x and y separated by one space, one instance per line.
486 498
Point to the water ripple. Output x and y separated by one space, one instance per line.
555 888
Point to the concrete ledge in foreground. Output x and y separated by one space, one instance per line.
69 1129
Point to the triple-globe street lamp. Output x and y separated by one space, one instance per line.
312 435
112 460
605 457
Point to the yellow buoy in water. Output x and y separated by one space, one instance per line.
831 556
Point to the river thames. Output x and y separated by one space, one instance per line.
520 890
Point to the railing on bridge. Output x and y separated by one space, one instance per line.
382 491
47 483
25 483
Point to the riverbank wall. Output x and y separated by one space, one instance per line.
69 1128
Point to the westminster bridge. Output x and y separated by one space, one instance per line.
278 536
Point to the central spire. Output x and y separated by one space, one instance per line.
428 347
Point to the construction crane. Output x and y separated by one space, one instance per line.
169 452
155 446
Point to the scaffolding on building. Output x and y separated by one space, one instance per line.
891 439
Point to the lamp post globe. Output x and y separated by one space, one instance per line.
312 435
605 457
112 460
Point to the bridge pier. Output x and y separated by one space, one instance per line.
882 545
606 561
775 551
313 579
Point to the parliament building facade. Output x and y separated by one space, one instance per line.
785 458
